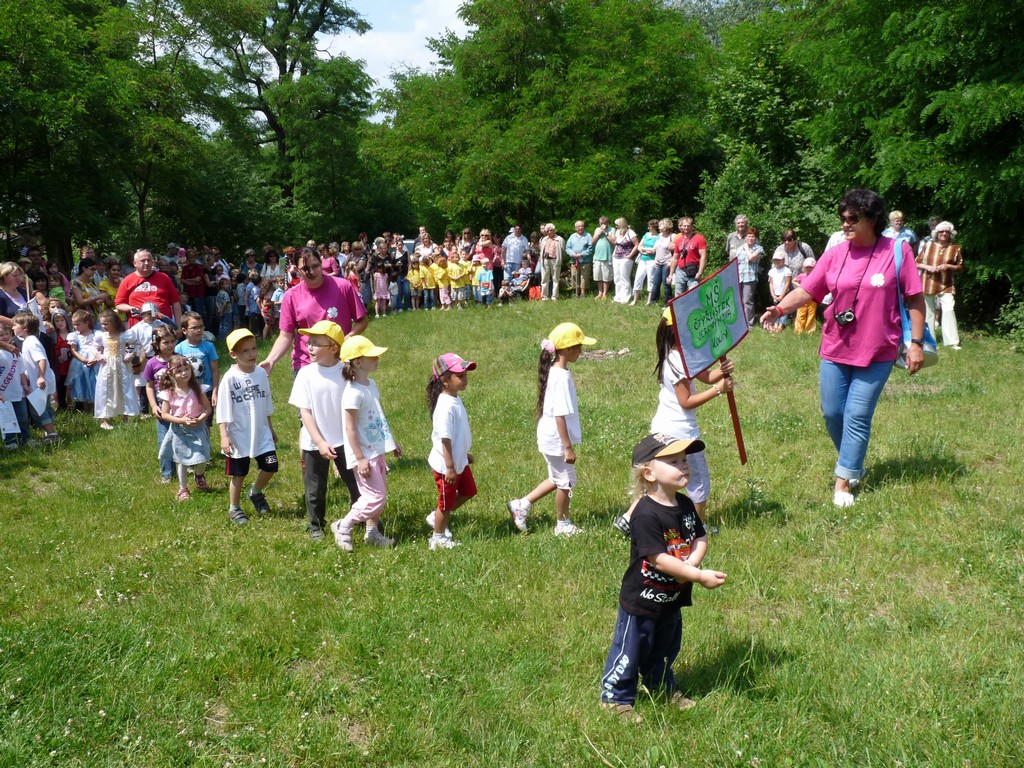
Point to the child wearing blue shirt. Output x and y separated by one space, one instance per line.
201 353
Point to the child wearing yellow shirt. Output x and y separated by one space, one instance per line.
429 283
440 270
415 278
456 271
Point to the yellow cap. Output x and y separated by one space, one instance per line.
360 346
237 335
569 335
667 314
326 328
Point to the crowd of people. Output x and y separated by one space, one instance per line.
144 342
96 324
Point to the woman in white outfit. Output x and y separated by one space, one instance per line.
625 241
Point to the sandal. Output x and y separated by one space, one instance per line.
342 535
184 495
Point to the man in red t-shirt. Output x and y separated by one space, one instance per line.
147 284
691 255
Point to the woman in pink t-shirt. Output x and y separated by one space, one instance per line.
862 332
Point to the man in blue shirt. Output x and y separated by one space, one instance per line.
580 251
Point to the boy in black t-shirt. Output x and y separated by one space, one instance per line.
667 544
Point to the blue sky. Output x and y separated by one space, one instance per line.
400 28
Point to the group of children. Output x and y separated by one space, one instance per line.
781 281
343 422
439 281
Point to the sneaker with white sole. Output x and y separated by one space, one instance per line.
519 514
430 522
342 535
566 528
439 541
375 538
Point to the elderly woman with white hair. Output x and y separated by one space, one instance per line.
938 261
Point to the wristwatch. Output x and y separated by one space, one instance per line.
919 342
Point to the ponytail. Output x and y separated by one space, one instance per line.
434 388
547 359
664 341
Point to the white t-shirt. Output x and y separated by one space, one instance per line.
319 389
559 400
451 421
244 404
671 418
32 351
371 427
777 276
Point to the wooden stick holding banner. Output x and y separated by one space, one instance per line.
709 321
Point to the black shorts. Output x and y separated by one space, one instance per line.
240 467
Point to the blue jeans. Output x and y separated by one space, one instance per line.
642 647
166 464
209 313
848 398
404 293
659 280
681 283
21 414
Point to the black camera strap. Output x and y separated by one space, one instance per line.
856 293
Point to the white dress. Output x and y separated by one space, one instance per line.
115 384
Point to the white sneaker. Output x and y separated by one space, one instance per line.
566 528
437 541
843 499
430 522
377 539
518 514
342 535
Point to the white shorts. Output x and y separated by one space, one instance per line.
603 271
561 473
699 487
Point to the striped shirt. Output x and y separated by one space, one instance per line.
934 254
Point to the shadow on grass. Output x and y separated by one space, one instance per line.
916 466
754 504
739 667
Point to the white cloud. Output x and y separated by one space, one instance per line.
399 35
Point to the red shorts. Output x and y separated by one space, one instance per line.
447 493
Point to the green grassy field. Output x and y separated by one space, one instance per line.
137 631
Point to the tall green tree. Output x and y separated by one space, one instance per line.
551 109
305 106
55 105
925 102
